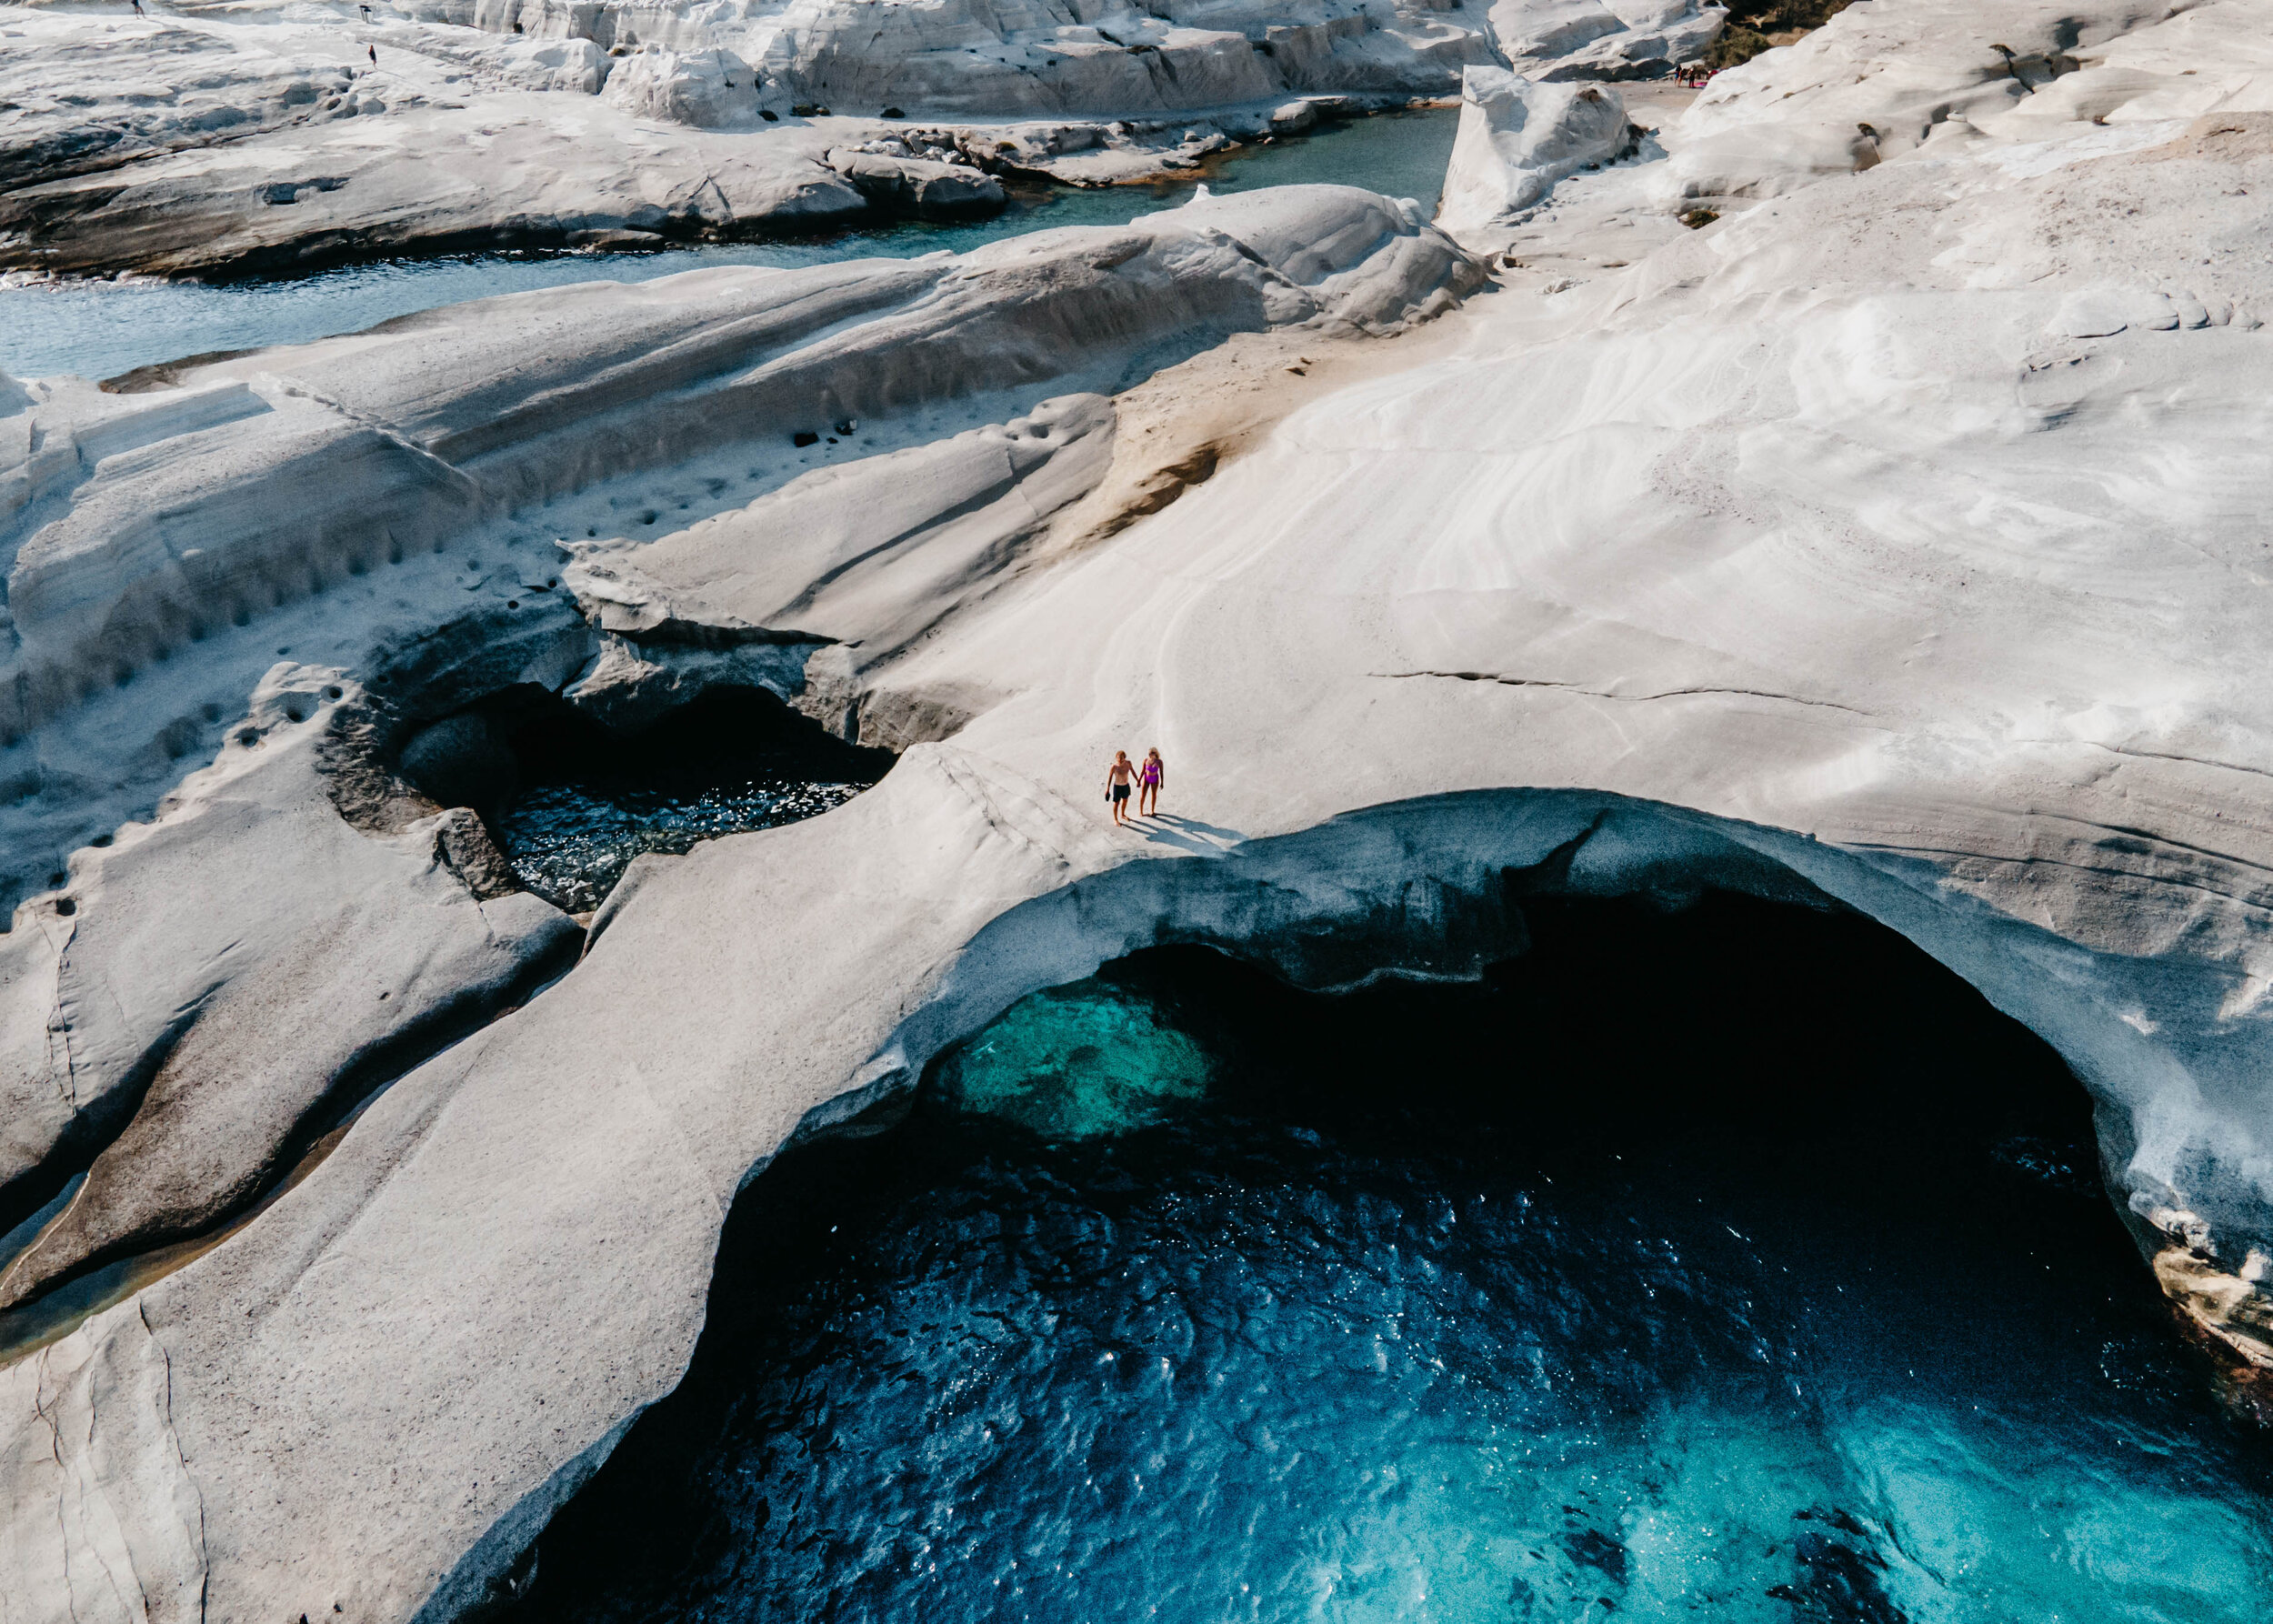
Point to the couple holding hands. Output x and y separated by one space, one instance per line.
1146 777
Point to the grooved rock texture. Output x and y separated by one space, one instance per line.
1896 537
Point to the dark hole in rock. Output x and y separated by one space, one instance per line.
461 761
769 116
65 907
335 692
804 436
100 840
585 802
57 879
1742 1253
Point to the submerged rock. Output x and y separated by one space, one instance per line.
1080 1062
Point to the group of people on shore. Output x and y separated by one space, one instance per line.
1144 777
1693 75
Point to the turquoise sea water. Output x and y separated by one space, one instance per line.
99 329
1736 1265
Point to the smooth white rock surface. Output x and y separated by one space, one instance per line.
1594 39
1517 138
360 499
1847 542
393 487
1882 81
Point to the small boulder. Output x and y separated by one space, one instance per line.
919 187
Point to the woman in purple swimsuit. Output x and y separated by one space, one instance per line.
1149 778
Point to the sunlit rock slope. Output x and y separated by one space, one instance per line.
1895 536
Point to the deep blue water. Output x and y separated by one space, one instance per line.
99 329
1738 1265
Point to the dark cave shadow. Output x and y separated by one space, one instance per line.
1789 1049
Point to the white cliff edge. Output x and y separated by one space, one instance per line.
1894 539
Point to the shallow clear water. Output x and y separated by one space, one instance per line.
570 843
586 803
1739 1266
100 329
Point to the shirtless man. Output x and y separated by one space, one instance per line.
1117 780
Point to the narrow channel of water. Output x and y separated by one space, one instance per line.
1740 1265
100 329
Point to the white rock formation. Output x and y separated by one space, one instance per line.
958 58
1898 539
266 136
80 93
1592 39
202 1046
1517 138
710 90
926 188
445 144
1878 82
155 541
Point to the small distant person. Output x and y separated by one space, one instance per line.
139 11
365 11
375 55
1149 778
1117 779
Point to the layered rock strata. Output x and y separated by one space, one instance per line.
265 137
1892 540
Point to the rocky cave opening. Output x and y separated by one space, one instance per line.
570 803
1734 1258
